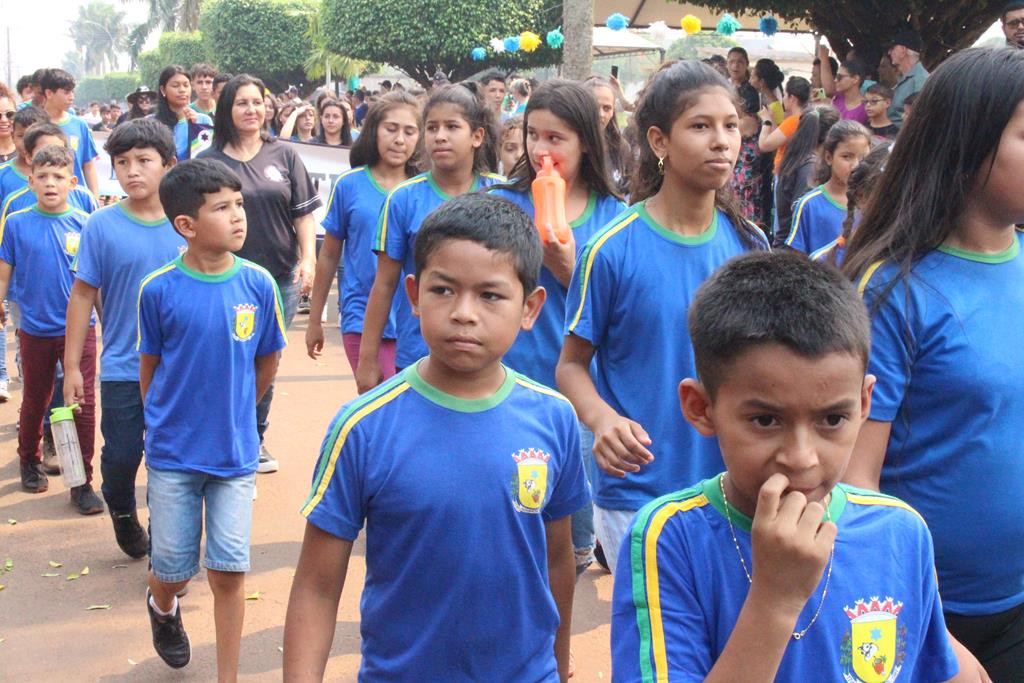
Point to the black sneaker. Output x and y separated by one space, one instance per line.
85 500
131 537
33 479
50 463
169 638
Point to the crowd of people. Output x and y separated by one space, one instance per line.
762 377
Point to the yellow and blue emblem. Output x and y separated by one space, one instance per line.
874 648
245 322
530 487
71 241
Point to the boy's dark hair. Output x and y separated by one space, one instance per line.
140 133
492 75
221 78
203 69
56 79
492 222
25 81
38 130
882 90
183 189
26 117
53 155
809 308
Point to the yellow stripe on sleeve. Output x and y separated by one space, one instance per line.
138 304
589 264
381 242
883 501
800 212
863 284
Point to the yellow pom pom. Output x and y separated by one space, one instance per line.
529 41
690 24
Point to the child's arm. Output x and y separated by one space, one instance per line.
828 81
378 307
5 281
326 267
147 366
619 443
865 467
790 548
80 304
313 604
91 177
266 369
562 579
971 670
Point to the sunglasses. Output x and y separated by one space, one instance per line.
9 115
1015 24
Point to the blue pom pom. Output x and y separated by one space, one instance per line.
478 54
769 25
512 44
617 22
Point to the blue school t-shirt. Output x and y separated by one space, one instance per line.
119 249
629 297
400 217
11 180
352 212
41 246
208 331
943 347
456 555
679 589
535 353
80 142
817 221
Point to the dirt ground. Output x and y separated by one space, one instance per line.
47 632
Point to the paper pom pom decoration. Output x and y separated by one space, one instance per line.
512 44
659 32
529 41
690 24
727 25
498 45
769 26
617 22
555 38
478 54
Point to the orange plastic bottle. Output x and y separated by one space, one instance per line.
549 203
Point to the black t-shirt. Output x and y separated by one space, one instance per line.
276 190
885 131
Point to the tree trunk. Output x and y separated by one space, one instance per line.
578 18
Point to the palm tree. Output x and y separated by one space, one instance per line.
168 15
101 35
322 62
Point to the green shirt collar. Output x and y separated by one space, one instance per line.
58 214
135 219
463 405
445 196
691 241
1007 254
713 492
179 263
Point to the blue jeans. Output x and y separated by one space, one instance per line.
123 428
290 300
583 519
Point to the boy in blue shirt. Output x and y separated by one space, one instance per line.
41 242
120 245
58 87
465 473
213 320
773 570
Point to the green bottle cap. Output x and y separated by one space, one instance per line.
63 414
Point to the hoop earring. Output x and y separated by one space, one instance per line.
661 165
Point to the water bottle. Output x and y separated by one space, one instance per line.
549 203
65 441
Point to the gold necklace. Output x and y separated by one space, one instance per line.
797 635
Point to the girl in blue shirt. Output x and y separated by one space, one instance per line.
381 159
460 140
937 257
174 96
632 286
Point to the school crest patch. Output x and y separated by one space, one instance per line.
875 646
530 486
71 242
245 322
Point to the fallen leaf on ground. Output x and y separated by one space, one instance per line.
92 607
8 564
280 648
84 572
11 520
49 575
253 596
2 586
131 661
72 577
120 566
55 564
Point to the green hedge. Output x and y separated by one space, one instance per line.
112 86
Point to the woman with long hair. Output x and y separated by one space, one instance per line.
173 97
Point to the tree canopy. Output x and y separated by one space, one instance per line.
421 37
100 34
866 25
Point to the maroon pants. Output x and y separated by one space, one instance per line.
39 357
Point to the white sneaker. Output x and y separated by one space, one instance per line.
268 463
5 395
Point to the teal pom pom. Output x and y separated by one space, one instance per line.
512 44
727 25
478 54
617 22
769 26
555 38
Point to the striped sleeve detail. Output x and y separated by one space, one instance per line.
138 304
343 426
10 200
879 499
588 256
497 177
799 214
539 388
381 239
278 304
821 253
866 278
643 560
334 188
79 212
95 202
3 221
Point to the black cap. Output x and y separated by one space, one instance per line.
908 38
140 92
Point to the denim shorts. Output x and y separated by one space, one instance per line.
176 501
